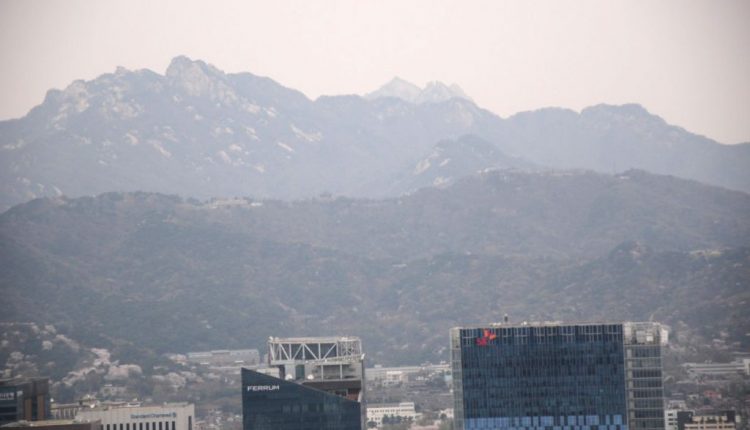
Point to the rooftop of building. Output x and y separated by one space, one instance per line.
314 349
390 405
20 380
120 405
706 413
507 324
46 423
224 352
314 339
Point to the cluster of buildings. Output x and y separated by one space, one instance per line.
542 376
528 376
26 403
394 376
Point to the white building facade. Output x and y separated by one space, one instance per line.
405 410
670 419
719 369
170 416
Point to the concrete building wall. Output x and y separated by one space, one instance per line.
177 416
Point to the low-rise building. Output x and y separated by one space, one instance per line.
68 411
225 357
721 420
169 416
741 367
404 410
65 411
670 418
53 425
389 375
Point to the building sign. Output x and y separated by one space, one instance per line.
7 395
486 337
263 388
146 416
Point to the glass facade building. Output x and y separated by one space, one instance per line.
24 399
555 376
270 403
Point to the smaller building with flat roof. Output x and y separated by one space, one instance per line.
169 416
54 425
719 420
403 410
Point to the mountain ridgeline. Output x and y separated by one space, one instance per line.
165 274
197 131
150 213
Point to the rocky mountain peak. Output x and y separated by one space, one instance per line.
433 92
397 88
182 65
197 131
436 92
630 112
195 77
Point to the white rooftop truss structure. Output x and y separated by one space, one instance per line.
303 349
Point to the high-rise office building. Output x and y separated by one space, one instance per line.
320 386
24 399
555 376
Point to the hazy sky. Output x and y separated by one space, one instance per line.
687 61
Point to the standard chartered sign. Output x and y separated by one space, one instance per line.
263 388
147 416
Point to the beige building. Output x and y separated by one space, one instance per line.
724 420
53 425
170 416
710 422
670 419
740 366
405 410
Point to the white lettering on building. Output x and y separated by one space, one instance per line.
263 387
144 416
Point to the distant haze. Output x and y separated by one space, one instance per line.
685 60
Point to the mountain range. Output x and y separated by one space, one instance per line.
149 213
198 132
156 273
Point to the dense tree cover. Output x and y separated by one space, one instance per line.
144 274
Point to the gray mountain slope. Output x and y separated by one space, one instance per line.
197 131
170 275
453 159
610 139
